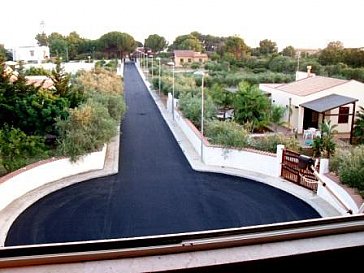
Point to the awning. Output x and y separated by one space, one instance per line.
327 103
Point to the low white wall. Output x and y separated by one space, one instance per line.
33 178
241 159
324 193
193 137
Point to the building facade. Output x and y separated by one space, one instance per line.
311 99
184 57
31 54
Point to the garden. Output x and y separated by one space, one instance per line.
75 116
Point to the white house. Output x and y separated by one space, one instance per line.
313 99
31 54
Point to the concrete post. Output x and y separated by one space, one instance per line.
279 153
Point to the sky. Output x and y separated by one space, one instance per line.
302 24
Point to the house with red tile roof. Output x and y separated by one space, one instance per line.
311 99
183 57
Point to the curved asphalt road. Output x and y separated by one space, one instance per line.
155 191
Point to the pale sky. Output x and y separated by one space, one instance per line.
302 24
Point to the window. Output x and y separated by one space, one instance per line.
31 53
181 60
200 60
189 60
343 115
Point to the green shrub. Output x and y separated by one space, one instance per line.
336 160
17 149
351 168
269 143
115 104
190 105
227 133
85 130
36 71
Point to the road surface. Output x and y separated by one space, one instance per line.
155 191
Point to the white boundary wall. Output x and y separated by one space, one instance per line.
324 193
28 180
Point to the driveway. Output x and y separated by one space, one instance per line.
155 192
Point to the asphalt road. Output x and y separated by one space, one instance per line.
155 191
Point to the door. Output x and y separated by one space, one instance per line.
310 119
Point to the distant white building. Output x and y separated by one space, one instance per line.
31 54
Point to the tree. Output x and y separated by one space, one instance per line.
289 51
332 54
276 115
209 43
73 43
235 46
156 43
117 44
60 79
42 39
359 125
251 106
282 64
267 47
221 97
186 42
325 145
58 45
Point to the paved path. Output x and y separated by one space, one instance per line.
155 192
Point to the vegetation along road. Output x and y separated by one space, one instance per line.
155 191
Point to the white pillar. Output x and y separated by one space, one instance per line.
279 153
301 112
324 166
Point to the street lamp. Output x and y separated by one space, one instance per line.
147 60
201 73
152 67
159 75
173 65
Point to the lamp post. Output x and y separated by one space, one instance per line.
147 59
159 75
173 65
201 73
152 67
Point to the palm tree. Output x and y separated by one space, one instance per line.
276 115
325 144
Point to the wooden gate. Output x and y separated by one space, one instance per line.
291 171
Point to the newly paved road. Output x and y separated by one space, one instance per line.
155 191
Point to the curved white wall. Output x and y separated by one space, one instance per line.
28 180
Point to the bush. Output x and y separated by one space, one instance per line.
268 143
336 160
18 150
227 133
191 108
351 168
99 80
85 130
115 104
